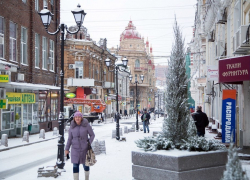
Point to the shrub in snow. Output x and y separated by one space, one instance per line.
233 168
178 130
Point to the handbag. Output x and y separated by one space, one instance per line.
90 156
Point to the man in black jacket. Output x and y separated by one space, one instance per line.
145 120
201 121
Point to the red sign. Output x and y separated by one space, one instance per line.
234 70
80 93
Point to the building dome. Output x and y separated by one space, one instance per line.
130 32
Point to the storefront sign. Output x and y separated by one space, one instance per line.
228 115
21 98
70 95
212 73
234 69
3 103
4 78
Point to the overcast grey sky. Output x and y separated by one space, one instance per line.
153 19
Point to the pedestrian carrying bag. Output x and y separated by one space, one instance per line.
90 156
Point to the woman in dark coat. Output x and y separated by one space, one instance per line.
78 141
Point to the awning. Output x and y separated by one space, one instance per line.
30 86
234 70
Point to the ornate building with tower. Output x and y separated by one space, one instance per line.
141 62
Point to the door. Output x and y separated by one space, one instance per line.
18 119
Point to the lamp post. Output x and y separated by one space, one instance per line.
119 66
136 97
46 17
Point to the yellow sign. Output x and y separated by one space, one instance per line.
21 98
4 78
80 109
3 103
108 102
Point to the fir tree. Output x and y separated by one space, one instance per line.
233 168
175 126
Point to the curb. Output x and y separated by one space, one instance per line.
26 144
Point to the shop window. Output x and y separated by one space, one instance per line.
41 110
35 114
8 118
54 108
1 37
27 114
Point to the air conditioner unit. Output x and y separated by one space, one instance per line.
20 77
208 89
72 66
2 93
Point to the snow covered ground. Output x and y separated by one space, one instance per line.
23 162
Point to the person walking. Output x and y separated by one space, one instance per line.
201 121
145 120
78 141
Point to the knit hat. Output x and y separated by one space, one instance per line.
77 113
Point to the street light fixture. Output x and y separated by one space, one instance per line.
117 68
46 17
136 98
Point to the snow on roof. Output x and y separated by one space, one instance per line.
7 63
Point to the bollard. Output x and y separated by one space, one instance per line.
125 129
55 131
67 128
4 140
113 134
26 136
42 134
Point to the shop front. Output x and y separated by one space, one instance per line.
237 71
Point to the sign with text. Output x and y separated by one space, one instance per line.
234 69
212 73
20 98
4 78
228 115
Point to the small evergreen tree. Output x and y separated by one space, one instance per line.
175 126
233 168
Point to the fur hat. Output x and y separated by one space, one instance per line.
77 113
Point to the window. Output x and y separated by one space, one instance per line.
137 63
79 69
37 5
51 55
45 3
52 2
23 50
89 70
135 77
37 54
24 1
54 108
27 114
44 53
93 71
1 37
12 52
35 114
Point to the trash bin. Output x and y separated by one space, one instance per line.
29 127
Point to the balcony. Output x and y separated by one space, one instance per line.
108 85
80 82
240 45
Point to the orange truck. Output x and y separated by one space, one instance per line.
97 106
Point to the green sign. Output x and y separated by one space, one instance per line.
20 98
4 78
3 103
70 95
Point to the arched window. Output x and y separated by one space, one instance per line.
137 63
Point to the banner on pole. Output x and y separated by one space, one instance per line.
228 115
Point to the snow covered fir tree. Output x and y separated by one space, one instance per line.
234 169
178 129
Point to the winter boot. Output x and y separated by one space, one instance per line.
86 175
76 176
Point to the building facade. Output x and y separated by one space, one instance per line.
220 59
141 62
86 74
29 67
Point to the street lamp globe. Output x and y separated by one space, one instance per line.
125 61
46 16
79 15
142 77
130 77
107 61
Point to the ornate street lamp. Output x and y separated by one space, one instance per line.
136 98
118 66
46 17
